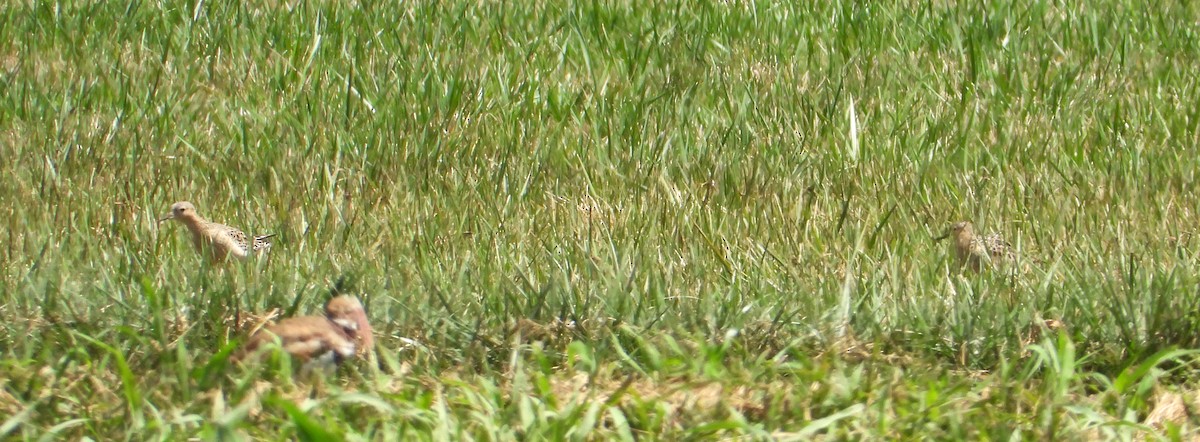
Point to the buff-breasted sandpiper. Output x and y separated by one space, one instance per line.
975 251
216 241
318 342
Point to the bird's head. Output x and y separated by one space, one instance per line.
180 210
347 312
957 229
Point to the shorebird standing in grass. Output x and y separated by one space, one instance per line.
976 251
318 342
217 241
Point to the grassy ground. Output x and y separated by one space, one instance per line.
607 219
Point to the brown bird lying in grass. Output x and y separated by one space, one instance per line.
318 342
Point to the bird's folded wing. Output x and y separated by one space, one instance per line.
305 338
234 240
262 242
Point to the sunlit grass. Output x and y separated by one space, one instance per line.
601 219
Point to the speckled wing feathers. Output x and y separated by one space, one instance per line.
309 339
997 247
237 237
262 242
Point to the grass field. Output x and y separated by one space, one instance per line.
604 219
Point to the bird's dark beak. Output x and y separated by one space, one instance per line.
944 236
166 217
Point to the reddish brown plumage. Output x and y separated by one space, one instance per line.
976 252
318 340
217 241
